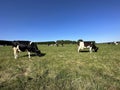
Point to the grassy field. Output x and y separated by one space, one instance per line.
62 68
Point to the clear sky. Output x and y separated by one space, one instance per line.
51 20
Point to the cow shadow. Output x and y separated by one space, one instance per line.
42 54
33 55
84 51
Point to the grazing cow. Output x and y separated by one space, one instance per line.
116 43
90 45
22 46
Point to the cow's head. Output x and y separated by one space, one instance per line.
38 52
96 49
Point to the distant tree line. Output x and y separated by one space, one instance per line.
58 42
47 42
110 42
65 42
9 43
5 42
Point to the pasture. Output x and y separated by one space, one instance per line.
62 68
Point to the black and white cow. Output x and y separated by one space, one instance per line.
22 46
116 43
90 45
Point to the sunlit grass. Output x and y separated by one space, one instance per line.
62 68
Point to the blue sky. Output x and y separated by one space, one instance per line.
51 20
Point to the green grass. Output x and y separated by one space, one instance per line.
62 68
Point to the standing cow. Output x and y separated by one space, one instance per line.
22 46
90 45
116 43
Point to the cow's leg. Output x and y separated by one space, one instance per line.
15 52
18 48
28 54
79 49
90 49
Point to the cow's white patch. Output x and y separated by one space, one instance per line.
18 49
15 52
30 43
28 54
